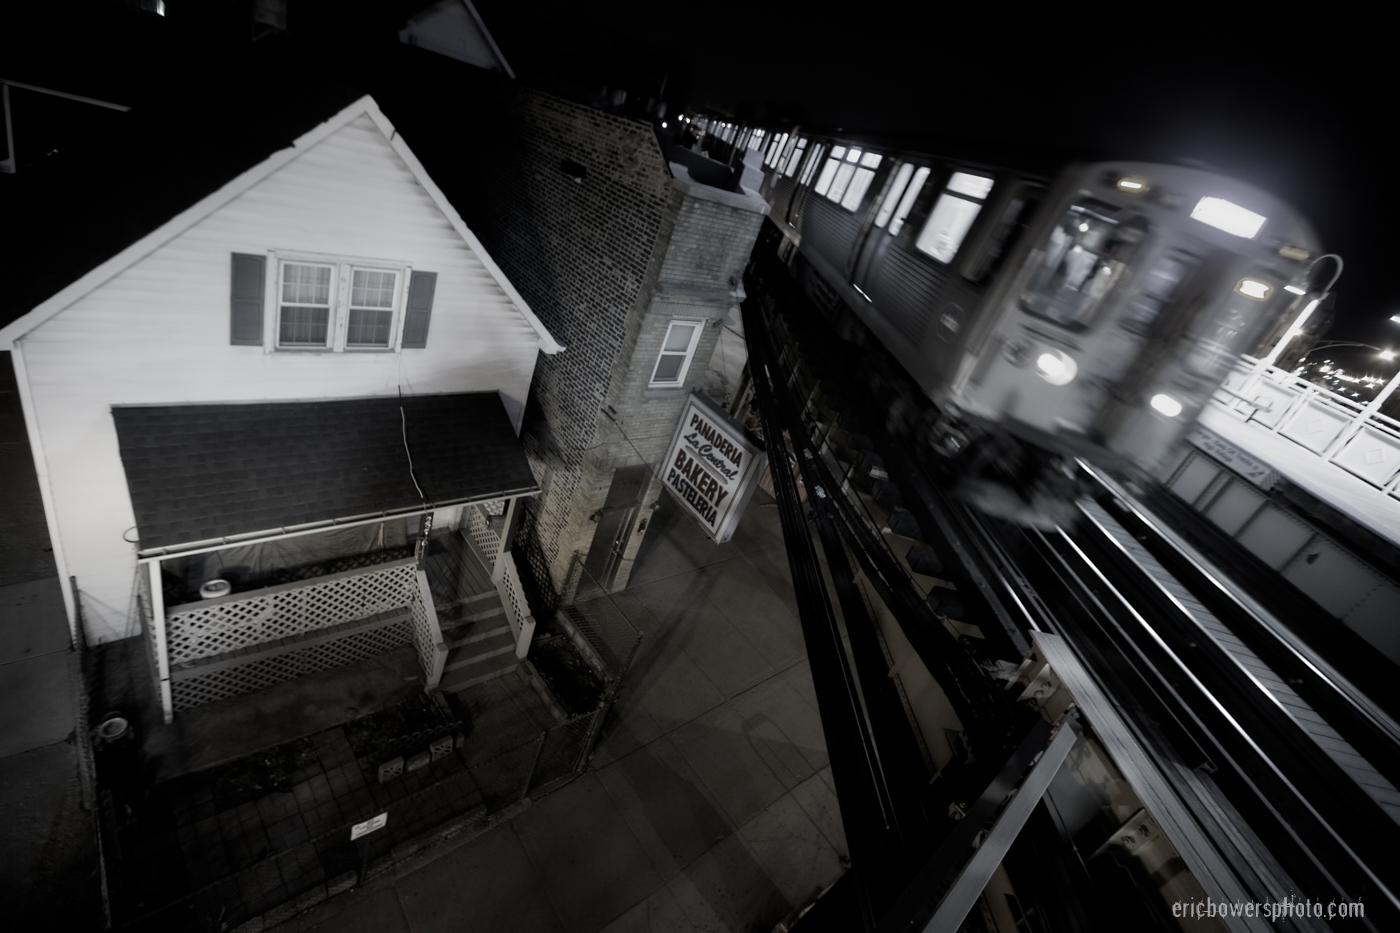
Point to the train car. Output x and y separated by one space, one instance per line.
1083 309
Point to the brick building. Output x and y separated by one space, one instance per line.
617 248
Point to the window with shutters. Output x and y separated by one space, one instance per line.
332 304
677 349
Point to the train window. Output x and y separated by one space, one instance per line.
813 160
951 218
1013 221
794 157
833 162
775 151
860 182
1084 257
906 203
1159 287
896 188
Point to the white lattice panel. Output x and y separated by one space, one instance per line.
424 638
201 630
268 672
478 529
513 598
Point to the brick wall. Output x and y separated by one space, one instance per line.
605 263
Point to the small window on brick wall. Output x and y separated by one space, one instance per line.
676 352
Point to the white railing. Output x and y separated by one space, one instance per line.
427 633
477 519
1339 431
522 623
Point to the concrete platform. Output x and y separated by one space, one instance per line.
708 804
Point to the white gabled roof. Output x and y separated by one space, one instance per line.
194 214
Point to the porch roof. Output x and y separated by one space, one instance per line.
199 474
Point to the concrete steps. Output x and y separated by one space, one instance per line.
479 651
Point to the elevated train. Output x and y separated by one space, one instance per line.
1087 310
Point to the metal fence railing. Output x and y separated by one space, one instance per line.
1341 432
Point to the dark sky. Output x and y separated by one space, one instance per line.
1298 103
1301 103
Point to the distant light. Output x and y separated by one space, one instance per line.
1253 288
1387 355
1295 289
1395 319
1293 252
1222 215
1325 369
1131 184
160 7
663 124
1166 405
1084 228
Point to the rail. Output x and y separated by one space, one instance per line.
522 623
1341 432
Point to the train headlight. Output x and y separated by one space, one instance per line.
1055 367
1253 288
1166 405
1223 215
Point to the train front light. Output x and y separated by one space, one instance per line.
1165 404
1055 367
1253 288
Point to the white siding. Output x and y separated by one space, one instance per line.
159 333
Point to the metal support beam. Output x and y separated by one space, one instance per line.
954 907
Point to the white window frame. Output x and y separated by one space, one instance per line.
342 276
679 381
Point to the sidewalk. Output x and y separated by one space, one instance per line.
48 850
708 804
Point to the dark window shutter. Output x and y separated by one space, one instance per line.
420 309
246 312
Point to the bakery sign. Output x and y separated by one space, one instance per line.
713 466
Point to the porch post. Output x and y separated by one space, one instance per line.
158 632
507 539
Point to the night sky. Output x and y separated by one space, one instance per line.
1301 104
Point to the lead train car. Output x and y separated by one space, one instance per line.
1091 313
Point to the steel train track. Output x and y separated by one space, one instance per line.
1290 775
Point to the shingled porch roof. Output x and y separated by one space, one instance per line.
200 475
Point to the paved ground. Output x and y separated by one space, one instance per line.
48 852
709 803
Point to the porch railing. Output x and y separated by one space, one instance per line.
522 623
1324 424
233 644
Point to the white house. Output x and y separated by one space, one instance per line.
284 378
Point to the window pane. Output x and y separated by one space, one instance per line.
306 285
795 158
678 338
829 169
906 203
842 179
946 227
901 178
974 186
371 289
368 328
870 160
301 326
668 368
812 161
1084 257
856 192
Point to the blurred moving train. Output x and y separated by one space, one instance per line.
1090 310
